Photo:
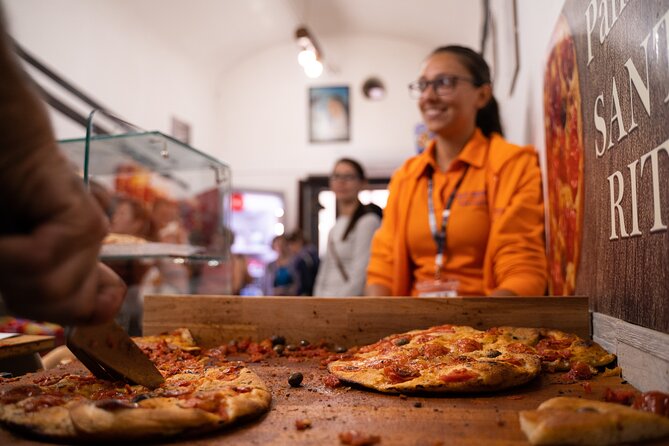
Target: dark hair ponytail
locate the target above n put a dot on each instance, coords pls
(487, 118)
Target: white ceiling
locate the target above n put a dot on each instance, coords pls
(218, 33)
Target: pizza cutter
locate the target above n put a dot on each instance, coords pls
(109, 353)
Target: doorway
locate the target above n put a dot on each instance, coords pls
(317, 206)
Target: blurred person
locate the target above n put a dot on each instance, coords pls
(280, 276)
(130, 217)
(466, 216)
(165, 222)
(165, 226)
(343, 269)
(305, 263)
(50, 227)
(220, 278)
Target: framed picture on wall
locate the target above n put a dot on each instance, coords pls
(329, 114)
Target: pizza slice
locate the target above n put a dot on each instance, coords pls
(561, 351)
(576, 421)
(202, 392)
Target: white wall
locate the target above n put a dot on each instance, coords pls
(264, 114)
(254, 116)
(101, 48)
(522, 111)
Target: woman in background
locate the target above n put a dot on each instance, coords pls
(280, 277)
(343, 268)
(466, 216)
(130, 217)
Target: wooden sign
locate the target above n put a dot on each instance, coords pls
(606, 102)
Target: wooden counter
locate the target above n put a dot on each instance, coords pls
(445, 420)
(414, 420)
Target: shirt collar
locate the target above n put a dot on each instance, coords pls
(473, 153)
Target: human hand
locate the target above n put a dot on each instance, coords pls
(50, 228)
(49, 243)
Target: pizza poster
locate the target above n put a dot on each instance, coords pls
(606, 117)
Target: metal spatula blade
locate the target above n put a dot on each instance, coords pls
(109, 353)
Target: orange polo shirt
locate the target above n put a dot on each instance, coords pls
(495, 234)
(468, 225)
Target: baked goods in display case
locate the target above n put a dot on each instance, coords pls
(169, 210)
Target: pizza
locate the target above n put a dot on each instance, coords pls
(450, 358)
(577, 421)
(562, 351)
(202, 392)
(564, 160)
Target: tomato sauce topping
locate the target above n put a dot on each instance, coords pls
(398, 373)
(42, 402)
(579, 371)
(19, 393)
(620, 396)
(467, 345)
(331, 381)
(213, 403)
(431, 351)
(553, 344)
(654, 402)
(518, 347)
(459, 375)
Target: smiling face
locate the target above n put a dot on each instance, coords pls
(454, 114)
(345, 182)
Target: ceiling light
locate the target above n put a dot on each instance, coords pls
(314, 69)
(305, 57)
(310, 56)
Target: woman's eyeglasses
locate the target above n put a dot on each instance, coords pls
(443, 85)
(343, 177)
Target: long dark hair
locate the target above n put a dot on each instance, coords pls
(361, 209)
(487, 118)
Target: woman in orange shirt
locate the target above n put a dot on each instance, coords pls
(466, 216)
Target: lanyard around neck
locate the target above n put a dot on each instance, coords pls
(440, 235)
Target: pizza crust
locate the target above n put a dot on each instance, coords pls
(576, 421)
(202, 392)
(94, 423)
(53, 422)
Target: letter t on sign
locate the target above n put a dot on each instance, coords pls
(654, 156)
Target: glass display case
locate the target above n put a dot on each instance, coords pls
(169, 209)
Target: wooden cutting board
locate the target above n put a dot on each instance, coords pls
(352, 321)
(24, 345)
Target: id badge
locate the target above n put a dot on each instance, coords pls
(438, 288)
